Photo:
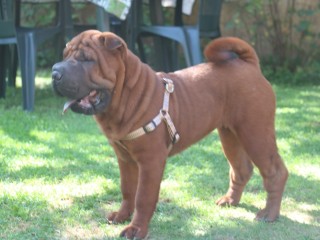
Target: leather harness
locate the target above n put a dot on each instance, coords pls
(162, 116)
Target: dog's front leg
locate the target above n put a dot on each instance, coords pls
(150, 175)
(129, 181)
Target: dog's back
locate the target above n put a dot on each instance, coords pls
(230, 79)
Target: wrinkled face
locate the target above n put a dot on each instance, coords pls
(88, 74)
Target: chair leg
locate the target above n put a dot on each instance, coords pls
(174, 57)
(3, 70)
(59, 45)
(193, 39)
(163, 50)
(13, 66)
(27, 51)
(172, 33)
(141, 51)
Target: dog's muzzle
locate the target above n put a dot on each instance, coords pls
(70, 79)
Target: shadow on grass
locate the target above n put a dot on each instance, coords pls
(26, 217)
(175, 222)
(73, 146)
(52, 146)
(57, 162)
(31, 217)
(208, 178)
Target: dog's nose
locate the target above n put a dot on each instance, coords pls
(56, 75)
(57, 71)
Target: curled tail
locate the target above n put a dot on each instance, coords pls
(227, 48)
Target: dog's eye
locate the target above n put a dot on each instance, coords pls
(81, 56)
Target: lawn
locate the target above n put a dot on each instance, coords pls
(59, 177)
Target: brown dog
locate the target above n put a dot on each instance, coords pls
(149, 116)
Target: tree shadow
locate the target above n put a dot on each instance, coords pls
(183, 223)
(202, 169)
(17, 212)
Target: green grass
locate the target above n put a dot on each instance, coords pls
(59, 177)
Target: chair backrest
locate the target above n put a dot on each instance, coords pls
(7, 27)
(209, 18)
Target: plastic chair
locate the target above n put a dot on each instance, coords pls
(173, 32)
(102, 19)
(208, 25)
(28, 41)
(8, 43)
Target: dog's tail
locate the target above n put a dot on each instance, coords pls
(225, 49)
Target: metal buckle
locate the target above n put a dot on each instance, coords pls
(170, 87)
(149, 128)
(176, 138)
(163, 113)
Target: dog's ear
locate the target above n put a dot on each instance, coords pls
(111, 42)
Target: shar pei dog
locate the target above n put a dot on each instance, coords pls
(148, 116)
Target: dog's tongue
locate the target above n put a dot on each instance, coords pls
(67, 105)
(86, 102)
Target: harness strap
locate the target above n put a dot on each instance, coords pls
(163, 115)
(150, 127)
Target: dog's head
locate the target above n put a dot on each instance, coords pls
(88, 74)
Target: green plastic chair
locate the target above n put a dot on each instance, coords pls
(164, 34)
(27, 40)
(102, 18)
(8, 41)
(208, 25)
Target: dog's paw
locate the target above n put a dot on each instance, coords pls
(266, 215)
(134, 232)
(226, 201)
(117, 217)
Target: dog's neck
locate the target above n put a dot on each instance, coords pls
(130, 107)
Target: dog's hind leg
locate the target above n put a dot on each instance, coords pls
(260, 144)
(240, 167)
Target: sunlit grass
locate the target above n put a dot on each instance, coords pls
(59, 177)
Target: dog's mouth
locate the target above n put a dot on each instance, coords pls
(96, 101)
